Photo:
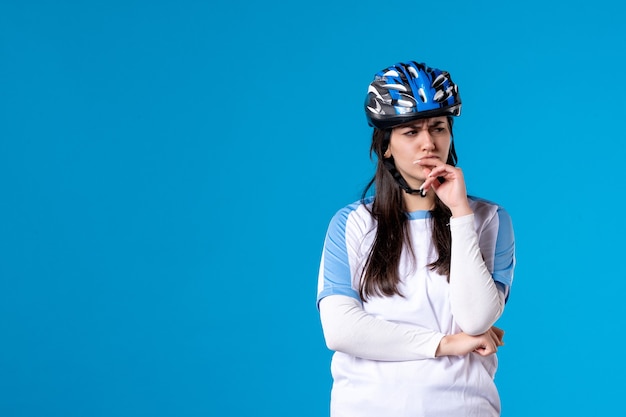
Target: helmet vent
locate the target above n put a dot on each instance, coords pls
(422, 95)
(398, 87)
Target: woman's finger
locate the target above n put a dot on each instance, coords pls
(438, 170)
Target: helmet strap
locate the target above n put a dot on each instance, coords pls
(391, 167)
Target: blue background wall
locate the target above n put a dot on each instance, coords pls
(168, 170)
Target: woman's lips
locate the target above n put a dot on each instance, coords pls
(430, 158)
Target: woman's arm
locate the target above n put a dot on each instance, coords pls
(349, 329)
(475, 299)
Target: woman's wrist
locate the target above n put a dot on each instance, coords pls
(461, 211)
(445, 348)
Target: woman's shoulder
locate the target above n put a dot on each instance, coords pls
(358, 206)
(480, 202)
(355, 212)
(485, 209)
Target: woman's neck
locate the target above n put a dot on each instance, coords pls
(415, 202)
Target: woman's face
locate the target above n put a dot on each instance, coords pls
(427, 140)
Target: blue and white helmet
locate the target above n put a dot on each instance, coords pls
(409, 91)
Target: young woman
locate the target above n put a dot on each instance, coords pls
(413, 278)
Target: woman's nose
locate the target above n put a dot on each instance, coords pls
(427, 141)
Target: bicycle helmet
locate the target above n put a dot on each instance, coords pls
(409, 91)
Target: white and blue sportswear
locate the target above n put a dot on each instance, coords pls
(384, 362)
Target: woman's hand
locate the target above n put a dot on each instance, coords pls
(461, 343)
(452, 192)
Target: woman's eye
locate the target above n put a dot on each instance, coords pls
(410, 132)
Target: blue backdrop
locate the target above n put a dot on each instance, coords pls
(168, 169)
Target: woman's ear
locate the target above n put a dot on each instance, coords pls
(387, 153)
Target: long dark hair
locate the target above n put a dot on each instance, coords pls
(380, 274)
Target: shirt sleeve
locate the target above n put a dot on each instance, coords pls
(349, 329)
(335, 272)
(504, 251)
(476, 301)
